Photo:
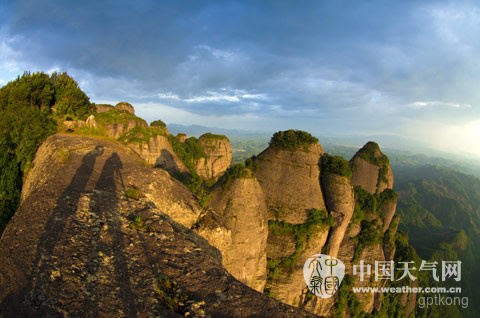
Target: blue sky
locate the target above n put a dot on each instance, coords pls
(407, 68)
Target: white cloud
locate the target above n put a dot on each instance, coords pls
(421, 104)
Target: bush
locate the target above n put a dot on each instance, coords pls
(133, 193)
(210, 136)
(369, 235)
(158, 123)
(335, 164)
(236, 171)
(292, 140)
(301, 234)
(368, 152)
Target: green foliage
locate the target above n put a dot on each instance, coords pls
(370, 152)
(133, 193)
(115, 116)
(365, 203)
(26, 121)
(336, 164)
(69, 98)
(210, 136)
(301, 233)
(139, 224)
(369, 235)
(140, 134)
(292, 140)
(236, 171)
(64, 155)
(189, 151)
(347, 301)
(158, 123)
(166, 295)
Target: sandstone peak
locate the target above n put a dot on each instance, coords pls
(124, 106)
(371, 169)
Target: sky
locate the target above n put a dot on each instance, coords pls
(333, 68)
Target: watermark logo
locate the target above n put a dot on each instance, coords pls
(323, 274)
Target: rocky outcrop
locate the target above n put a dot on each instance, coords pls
(218, 156)
(181, 137)
(103, 108)
(371, 169)
(290, 182)
(387, 210)
(89, 240)
(159, 153)
(124, 106)
(91, 122)
(340, 203)
(118, 129)
(241, 205)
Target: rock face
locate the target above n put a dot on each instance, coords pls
(103, 108)
(371, 169)
(341, 203)
(159, 153)
(79, 246)
(118, 129)
(290, 182)
(242, 207)
(124, 106)
(218, 156)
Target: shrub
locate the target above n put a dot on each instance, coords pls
(236, 171)
(210, 136)
(335, 164)
(292, 140)
(133, 193)
(368, 152)
(158, 123)
(301, 234)
(369, 235)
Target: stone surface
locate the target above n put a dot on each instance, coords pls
(290, 182)
(340, 202)
(124, 106)
(159, 153)
(78, 246)
(219, 157)
(242, 206)
(103, 108)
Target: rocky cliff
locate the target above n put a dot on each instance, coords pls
(218, 156)
(101, 231)
(99, 234)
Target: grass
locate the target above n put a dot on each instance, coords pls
(64, 155)
(158, 123)
(139, 224)
(133, 193)
(114, 116)
(166, 295)
(140, 135)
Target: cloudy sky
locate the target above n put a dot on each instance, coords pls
(407, 68)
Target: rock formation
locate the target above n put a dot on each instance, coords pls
(290, 181)
(100, 233)
(371, 169)
(87, 240)
(124, 106)
(103, 108)
(241, 205)
(218, 156)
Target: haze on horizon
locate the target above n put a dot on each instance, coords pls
(409, 68)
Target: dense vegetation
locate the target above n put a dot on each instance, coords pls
(440, 210)
(26, 120)
(158, 123)
(210, 136)
(292, 140)
(236, 171)
(301, 233)
(335, 164)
